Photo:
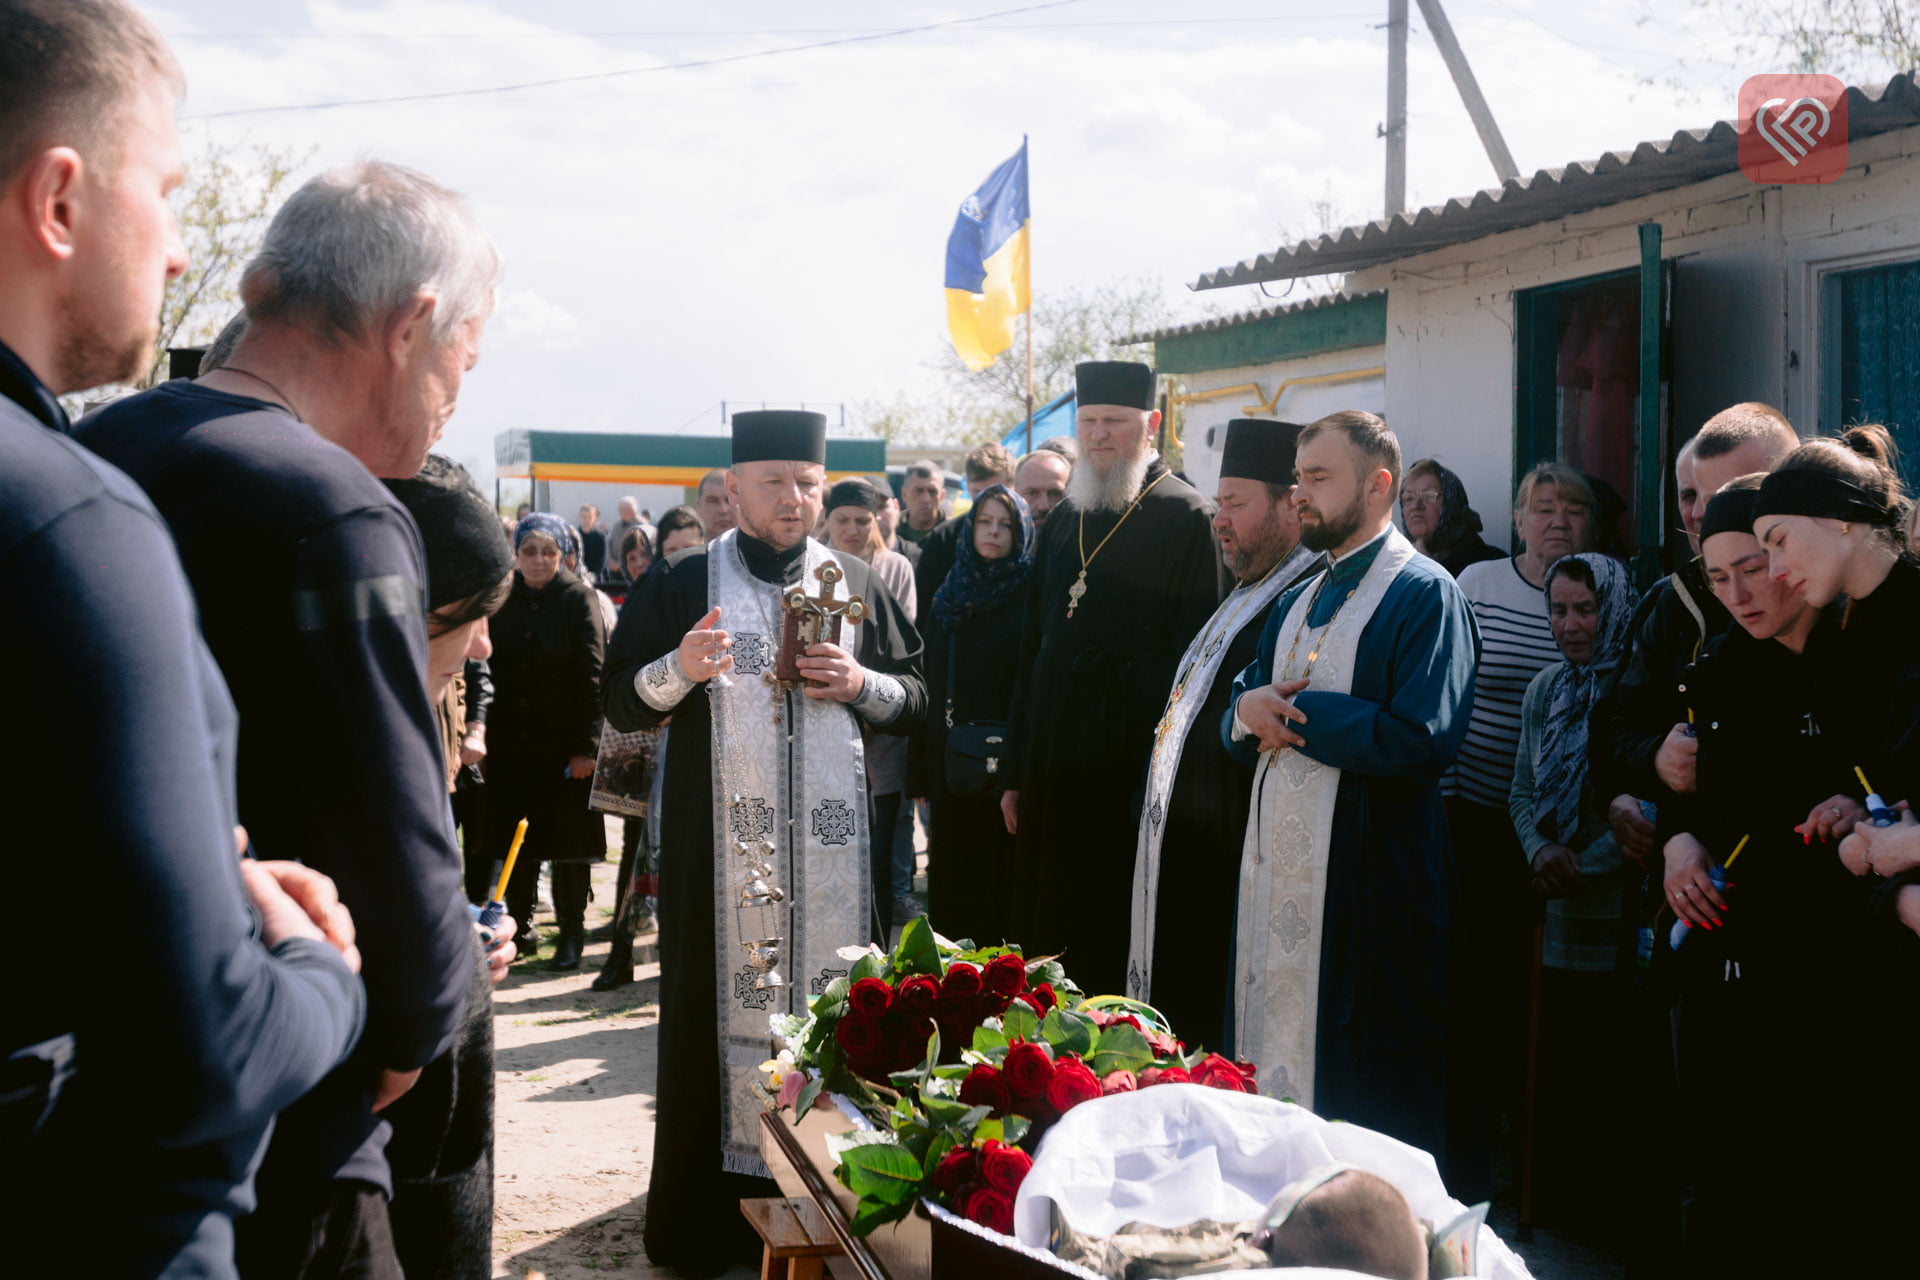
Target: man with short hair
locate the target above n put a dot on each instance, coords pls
(888, 520)
(792, 754)
(630, 516)
(593, 542)
(1344, 982)
(714, 504)
(923, 497)
(1182, 952)
(1120, 584)
(986, 465)
(1041, 480)
(142, 1074)
(366, 303)
(1641, 750)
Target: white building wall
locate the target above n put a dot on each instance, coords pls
(1205, 421)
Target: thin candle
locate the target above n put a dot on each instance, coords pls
(1728, 864)
(506, 872)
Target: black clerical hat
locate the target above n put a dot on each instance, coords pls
(1122, 382)
(1260, 449)
(467, 551)
(780, 435)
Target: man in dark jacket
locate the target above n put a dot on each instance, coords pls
(365, 306)
(143, 1070)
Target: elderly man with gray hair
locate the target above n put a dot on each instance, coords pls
(365, 307)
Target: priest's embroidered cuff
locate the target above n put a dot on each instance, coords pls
(1240, 729)
(661, 684)
(881, 700)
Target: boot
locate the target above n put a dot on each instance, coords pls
(571, 888)
(566, 949)
(617, 972)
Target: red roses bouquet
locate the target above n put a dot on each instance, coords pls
(961, 1057)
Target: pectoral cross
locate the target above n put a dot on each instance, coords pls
(1074, 592)
(812, 620)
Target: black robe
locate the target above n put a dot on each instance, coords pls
(969, 853)
(1200, 868)
(693, 1219)
(1091, 689)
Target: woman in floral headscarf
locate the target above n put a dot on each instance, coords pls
(1581, 1016)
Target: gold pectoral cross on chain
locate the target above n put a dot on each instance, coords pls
(1074, 592)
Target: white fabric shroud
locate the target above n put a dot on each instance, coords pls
(1181, 1153)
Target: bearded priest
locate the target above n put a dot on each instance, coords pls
(1354, 706)
(1182, 954)
(1124, 575)
(764, 869)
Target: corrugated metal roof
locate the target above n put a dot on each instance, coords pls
(1215, 323)
(1690, 156)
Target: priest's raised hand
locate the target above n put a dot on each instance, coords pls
(1267, 711)
(703, 651)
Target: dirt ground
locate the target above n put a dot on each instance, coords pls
(574, 1123)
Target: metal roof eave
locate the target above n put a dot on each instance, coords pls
(1690, 156)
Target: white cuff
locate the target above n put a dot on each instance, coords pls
(1240, 729)
(661, 684)
(882, 698)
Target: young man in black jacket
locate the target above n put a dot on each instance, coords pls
(142, 1069)
(365, 306)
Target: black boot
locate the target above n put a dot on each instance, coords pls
(566, 949)
(617, 972)
(571, 887)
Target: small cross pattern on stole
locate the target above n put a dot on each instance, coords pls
(812, 620)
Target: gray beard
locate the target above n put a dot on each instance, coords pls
(1090, 491)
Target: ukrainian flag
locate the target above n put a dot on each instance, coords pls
(989, 275)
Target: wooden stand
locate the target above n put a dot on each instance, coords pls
(795, 1235)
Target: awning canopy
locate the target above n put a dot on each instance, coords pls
(649, 459)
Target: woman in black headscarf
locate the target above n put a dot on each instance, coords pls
(1440, 522)
(973, 650)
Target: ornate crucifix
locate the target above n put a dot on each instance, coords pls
(812, 620)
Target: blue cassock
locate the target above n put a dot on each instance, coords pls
(1387, 1011)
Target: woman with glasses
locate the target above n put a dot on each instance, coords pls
(1438, 519)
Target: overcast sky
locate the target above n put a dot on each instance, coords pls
(773, 228)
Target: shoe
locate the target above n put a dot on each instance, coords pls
(526, 944)
(617, 972)
(905, 909)
(566, 952)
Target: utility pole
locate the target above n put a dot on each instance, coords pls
(1469, 88)
(1396, 126)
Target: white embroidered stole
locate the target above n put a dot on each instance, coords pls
(1283, 864)
(1201, 667)
(798, 765)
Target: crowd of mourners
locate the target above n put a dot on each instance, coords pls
(1623, 880)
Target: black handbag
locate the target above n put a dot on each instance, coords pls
(976, 749)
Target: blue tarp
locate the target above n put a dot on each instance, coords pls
(1054, 418)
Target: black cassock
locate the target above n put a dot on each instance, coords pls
(1092, 687)
(1200, 858)
(693, 1219)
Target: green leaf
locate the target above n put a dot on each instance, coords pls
(917, 952)
(937, 1151)
(871, 1214)
(988, 1042)
(1068, 1033)
(809, 1093)
(1019, 1023)
(1120, 1048)
(991, 1131)
(951, 1073)
(882, 1172)
(947, 1112)
(830, 1004)
(1015, 1128)
(867, 966)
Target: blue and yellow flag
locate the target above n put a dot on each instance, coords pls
(989, 275)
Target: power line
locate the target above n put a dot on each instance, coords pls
(629, 71)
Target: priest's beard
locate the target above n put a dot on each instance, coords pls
(1251, 561)
(1329, 530)
(1088, 490)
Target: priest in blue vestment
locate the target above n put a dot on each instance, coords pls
(1356, 703)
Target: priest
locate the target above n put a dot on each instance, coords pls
(1124, 575)
(1354, 705)
(1182, 952)
(753, 909)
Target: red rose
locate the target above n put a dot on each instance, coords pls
(906, 1039)
(991, 1209)
(1003, 1167)
(1165, 1046)
(1044, 994)
(1031, 1001)
(1164, 1075)
(963, 983)
(1073, 1083)
(917, 994)
(870, 997)
(1118, 1082)
(860, 1036)
(983, 1087)
(1028, 1070)
(1217, 1072)
(1006, 975)
(955, 1170)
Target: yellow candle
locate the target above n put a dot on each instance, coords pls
(1728, 864)
(506, 872)
(1864, 784)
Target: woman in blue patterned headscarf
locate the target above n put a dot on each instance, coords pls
(973, 654)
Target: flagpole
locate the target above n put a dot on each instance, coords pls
(1029, 448)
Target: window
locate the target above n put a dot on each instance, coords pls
(1870, 354)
